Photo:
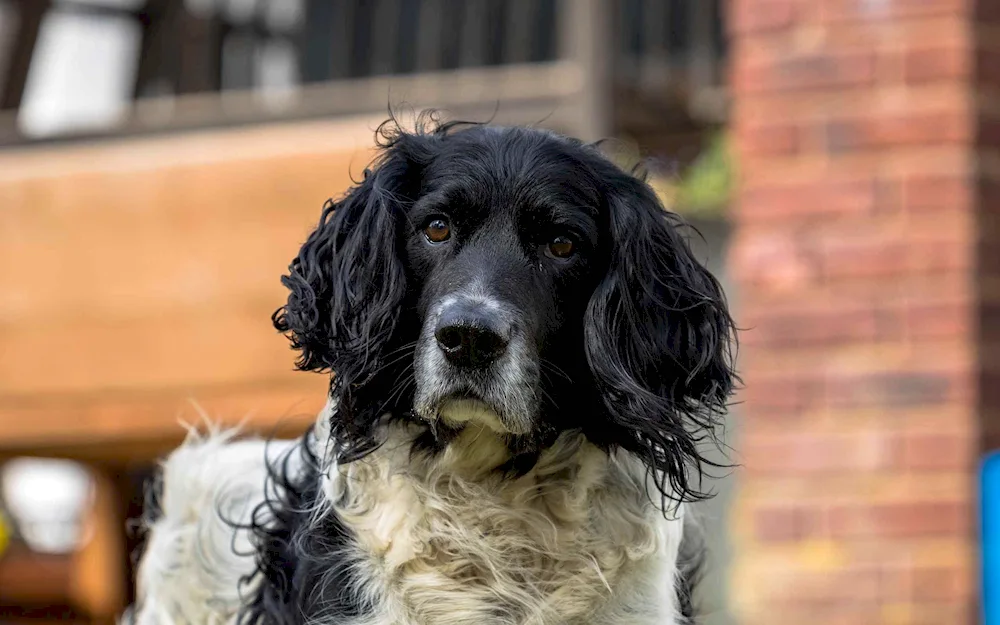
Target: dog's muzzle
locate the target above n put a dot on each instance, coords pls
(473, 365)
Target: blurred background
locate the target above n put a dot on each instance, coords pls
(162, 160)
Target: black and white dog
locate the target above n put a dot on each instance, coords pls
(526, 362)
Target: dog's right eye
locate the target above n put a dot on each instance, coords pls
(437, 230)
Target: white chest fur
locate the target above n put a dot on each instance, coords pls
(443, 541)
(440, 541)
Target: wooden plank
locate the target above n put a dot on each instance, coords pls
(119, 427)
(132, 276)
(31, 579)
(137, 275)
(100, 566)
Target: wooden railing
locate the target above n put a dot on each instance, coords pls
(523, 61)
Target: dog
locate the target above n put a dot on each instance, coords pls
(526, 363)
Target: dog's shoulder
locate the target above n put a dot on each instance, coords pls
(197, 548)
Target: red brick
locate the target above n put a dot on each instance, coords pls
(890, 323)
(901, 519)
(892, 389)
(769, 139)
(937, 193)
(853, 585)
(820, 453)
(833, 613)
(895, 583)
(809, 327)
(958, 611)
(782, 397)
(941, 584)
(936, 256)
(761, 16)
(804, 72)
(862, 256)
(939, 320)
(872, 254)
(868, 10)
(808, 199)
(888, 195)
(776, 524)
(772, 261)
(937, 451)
(891, 130)
(936, 63)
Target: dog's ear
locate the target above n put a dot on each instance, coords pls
(347, 283)
(659, 340)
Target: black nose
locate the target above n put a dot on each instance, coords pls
(470, 337)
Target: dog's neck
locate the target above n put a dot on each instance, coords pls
(445, 538)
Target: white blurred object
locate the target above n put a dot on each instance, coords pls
(276, 73)
(82, 74)
(47, 499)
(284, 15)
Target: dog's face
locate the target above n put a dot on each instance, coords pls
(520, 280)
(501, 247)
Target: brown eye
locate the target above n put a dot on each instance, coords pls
(561, 247)
(437, 231)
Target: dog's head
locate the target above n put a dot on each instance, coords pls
(520, 280)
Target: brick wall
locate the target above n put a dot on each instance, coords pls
(867, 256)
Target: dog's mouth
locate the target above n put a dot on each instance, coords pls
(465, 407)
(462, 407)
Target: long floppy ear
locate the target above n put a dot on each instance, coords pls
(347, 284)
(659, 339)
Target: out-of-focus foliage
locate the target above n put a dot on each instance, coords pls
(5, 533)
(704, 187)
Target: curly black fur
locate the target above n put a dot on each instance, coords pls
(301, 568)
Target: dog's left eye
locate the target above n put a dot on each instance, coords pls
(437, 230)
(561, 247)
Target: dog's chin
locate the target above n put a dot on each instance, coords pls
(463, 411)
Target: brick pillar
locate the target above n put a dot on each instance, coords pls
(867, 257)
